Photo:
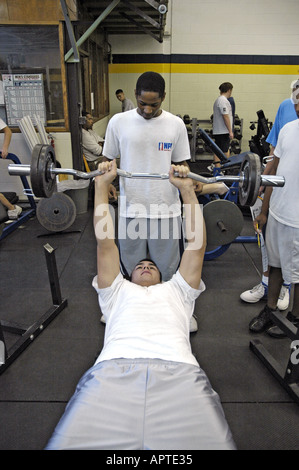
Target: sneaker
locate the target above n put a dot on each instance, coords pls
(211, 167)
(262, 322)
(284, 297)
(14, 213)
(275, 332)
(257, 293)
(193, 324)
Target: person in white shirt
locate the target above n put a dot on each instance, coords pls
(126, 103)
(92, 143)
(146, 390)
(147, 140)
(282, 231)
(223, 120)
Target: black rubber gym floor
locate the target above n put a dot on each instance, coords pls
(35, 388)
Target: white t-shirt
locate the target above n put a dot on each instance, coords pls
(148, 322)
(91, 148)
(2, 124)
(284, 205)
(147, 146)
(126, 105)
(221, 106)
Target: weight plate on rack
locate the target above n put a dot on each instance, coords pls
(250, 171)
(42, 181)
(56, 213)
(224, 222)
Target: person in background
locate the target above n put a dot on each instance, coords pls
(286, 113)
(148, 139)
(13, 211)
(280, 210)
(223, 121)
(92, 143)
(7, 138)
(126, 103)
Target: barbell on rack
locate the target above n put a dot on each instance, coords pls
(43, 172)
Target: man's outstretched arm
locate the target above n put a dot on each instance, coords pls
(195, 231)
(107, 251)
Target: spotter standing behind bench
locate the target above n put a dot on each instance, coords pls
(146, 389)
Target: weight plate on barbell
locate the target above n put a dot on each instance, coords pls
(56, 213)
(224, 222)
(250, 170)
(42, 181)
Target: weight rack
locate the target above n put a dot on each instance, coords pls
(28, 335)
(198, 146)
(289, 378)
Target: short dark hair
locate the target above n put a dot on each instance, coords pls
(226, 86)
(148, 259)
(151, 81)
(119, 91)
(84, 113)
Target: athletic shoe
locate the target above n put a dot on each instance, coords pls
(14, 213)
(211, 167)
(262, 322)
(284, 297)
(257, 293)
(193, 324)
(275, 332)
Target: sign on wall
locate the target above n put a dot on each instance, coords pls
(24, 96)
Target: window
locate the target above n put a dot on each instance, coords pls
(35, 49)
(94, 78)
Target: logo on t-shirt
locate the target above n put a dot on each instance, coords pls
(165, 146)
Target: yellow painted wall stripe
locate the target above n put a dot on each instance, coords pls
(251, 69)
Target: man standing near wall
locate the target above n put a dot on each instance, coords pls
(126, 103)
(223, 120)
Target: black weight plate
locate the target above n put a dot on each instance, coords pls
(249, 187)
(42, 182)
(56, 213)
(224, 222)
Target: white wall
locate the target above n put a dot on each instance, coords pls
(236, 27)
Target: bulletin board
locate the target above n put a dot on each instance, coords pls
(24, 96)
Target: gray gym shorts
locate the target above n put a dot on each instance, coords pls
(143, 405)
(282, 242)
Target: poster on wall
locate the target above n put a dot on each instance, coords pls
(24, 96)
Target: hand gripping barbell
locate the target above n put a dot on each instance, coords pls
(43, 171)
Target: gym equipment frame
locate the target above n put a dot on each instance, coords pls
(289, 378)
(28, 335)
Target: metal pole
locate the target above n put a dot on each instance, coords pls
(92, 28)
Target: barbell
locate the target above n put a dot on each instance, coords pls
(43, 171)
